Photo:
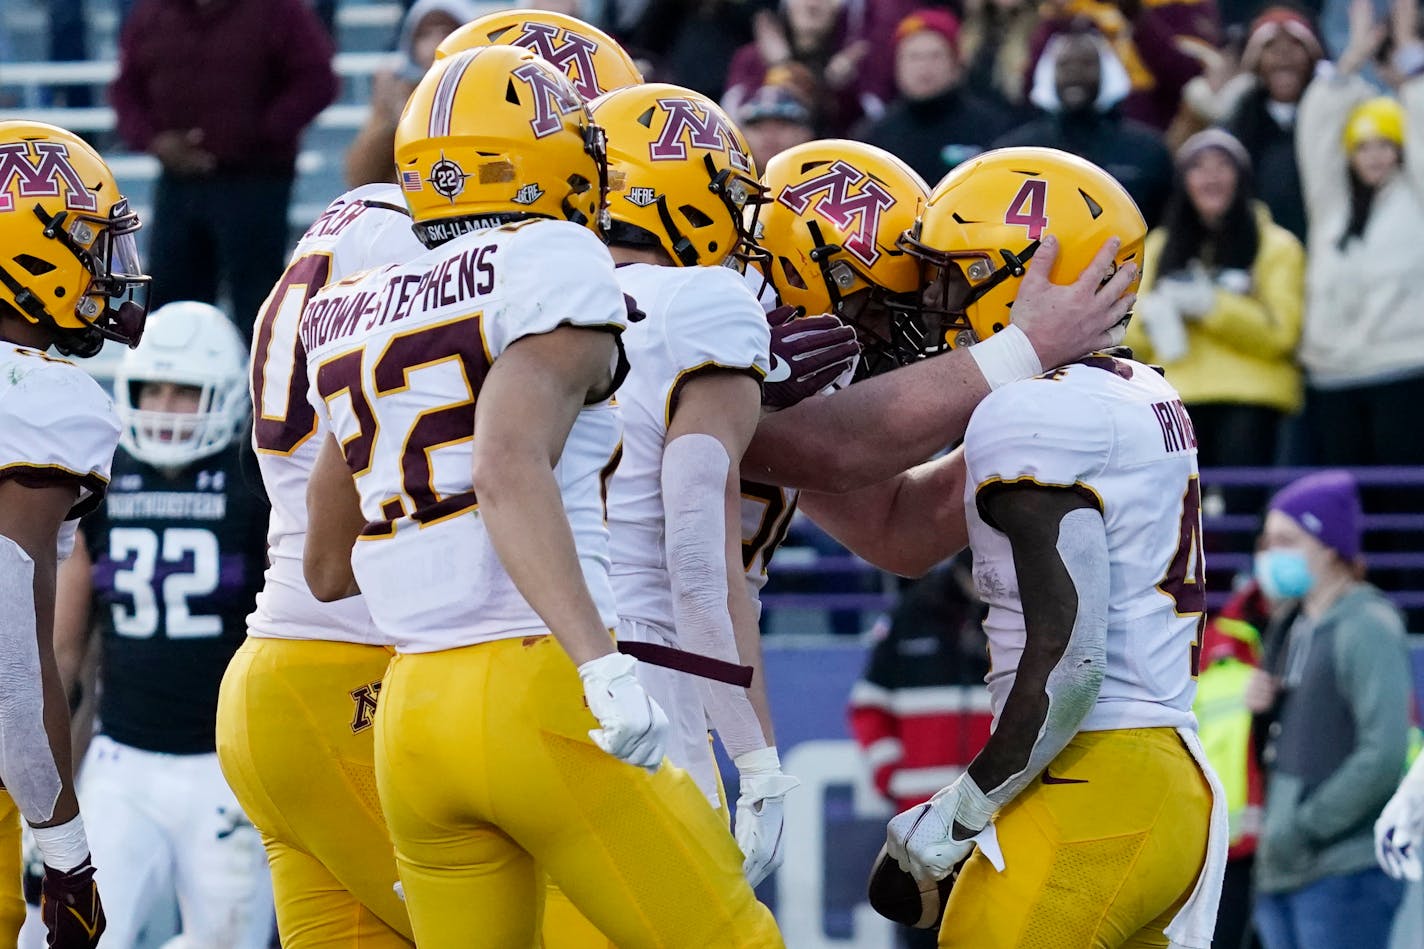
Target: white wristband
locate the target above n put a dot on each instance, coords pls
(974, 809)
(63, 847)
(1005, 357)
(762, 761)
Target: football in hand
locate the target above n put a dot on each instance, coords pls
(901, 898)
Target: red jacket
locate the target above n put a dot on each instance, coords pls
(917, 721)
(250, 74)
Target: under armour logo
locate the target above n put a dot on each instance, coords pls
(36, 170)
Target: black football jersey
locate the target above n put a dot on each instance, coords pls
(177, 565)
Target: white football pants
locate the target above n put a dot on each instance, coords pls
(165, 828)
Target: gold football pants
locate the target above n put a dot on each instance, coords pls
(1100, 852)
(294, 732)
(487, 777)
(12, 898)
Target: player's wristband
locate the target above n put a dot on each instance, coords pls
(63, 847)
(1005, 357)
(975, 809)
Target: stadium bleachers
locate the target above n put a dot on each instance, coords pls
(366, 30)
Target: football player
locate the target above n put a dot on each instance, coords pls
(297, 703)
(174, 558)
(681, 177)
(501, 535)
(1083, 512)
(592, 60)
(308, 680)
(70, 278)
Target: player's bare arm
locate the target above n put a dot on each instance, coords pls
(878, 428)
(35, 755)
(527, 405)
(714, 419)
(1061, 561)
(334, 522)
(904, 525)
(72, 628)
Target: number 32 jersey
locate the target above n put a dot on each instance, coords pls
(396, 359)
(1116, 431)
(176, 563)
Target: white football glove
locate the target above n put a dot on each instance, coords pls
(760, 817)
(1399, 832)
(633, 728)
(921, 839)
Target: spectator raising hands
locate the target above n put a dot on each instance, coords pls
(1362, 172)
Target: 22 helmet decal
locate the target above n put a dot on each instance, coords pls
(191, 344)
(835, 212)
(592, 60)
(68, 258)
(986, 219)
(496, 134)
(681, 175)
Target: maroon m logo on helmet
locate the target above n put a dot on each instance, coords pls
(859, 213)
(554, 97)
(574, 58)
(704, 128)
(38, 175)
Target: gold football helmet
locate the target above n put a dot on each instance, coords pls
(834, 214)
(593, 60)
(680, 174)
(497, 134)
(985, 220)
(68, 259)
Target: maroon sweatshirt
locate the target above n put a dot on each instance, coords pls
(251, 74)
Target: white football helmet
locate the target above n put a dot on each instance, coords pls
(190, 344)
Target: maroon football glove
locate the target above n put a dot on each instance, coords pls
(808, 353)
(70, 907)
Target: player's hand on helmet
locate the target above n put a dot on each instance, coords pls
(760, 816)
(808, 353)
(69, 905)
(922, 839)
(633, 728)
(1399, 833)
(1067, 321)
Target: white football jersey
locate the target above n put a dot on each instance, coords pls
(696, 318)
(396, 357)
(1115, 430)
(364, 228)
(56, 424)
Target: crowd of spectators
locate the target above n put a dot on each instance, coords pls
(1279, 286)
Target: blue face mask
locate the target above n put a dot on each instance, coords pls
(1283, 574)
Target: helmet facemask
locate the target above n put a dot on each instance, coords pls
(955, 282)
(115, 302)
(178, 439)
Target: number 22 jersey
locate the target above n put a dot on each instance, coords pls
(396, 359)
(1114, 430)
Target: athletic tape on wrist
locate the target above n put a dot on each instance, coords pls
(64, 847)
(1005, 357)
